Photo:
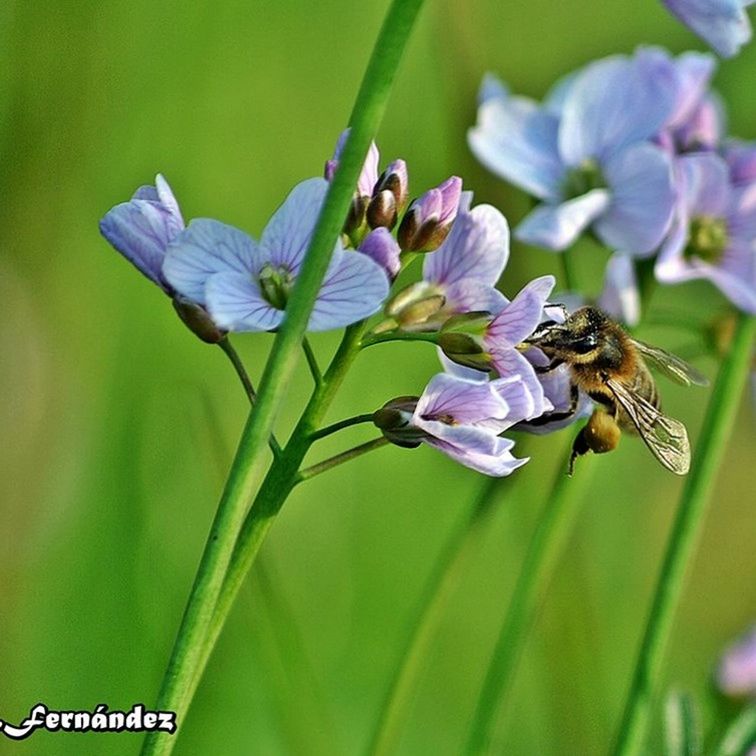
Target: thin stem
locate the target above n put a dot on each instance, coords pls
(380, 338)
(249, 389)
(339, 459)
(190, 650)
(712, 446)
(340, 425)
(438, 588)
(312, 361)
(546, 545)
(571, 282)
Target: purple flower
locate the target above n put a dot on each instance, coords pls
(737, 669)
(142, 228)
(381, 247)
(245, 285)
(714, 232)
(389, 196)
(620, 297)
(429, 218)
(461, 418)
(741, 158)
(369, 174)
(461, 275)
(586, 152)
(723, 24)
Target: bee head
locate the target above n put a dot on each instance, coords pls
(578, 339)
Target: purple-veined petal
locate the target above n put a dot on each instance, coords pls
(515, 392)
(517, 141)
(522, 315)
(477, 247)
(477, 449)
(470, 295)
(461, 371)
(614, 102)
(141, 231)
(620, 297)
(556, 227)
(447, 397)
(643, 199)
(287, 235)
(722, 23)
(204, 248)
(509, 362)
(236, 303)
(354, 288)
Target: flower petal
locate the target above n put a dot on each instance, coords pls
(613, 102)
(477, 449)
(522, 315)
(705, 179)
(236, 304)
(643, 199)
(509, 362)
(287, 235)
(354, 288)
(465, 402)
(381, 247)
(469, 295)
(477, 248)
(620, 297)
(517, 140)
(204, 248)
(556, 227)
(722, 23)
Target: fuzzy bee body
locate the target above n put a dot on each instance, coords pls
(609, 365)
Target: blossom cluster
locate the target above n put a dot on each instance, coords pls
(222, 280)
(632, 149)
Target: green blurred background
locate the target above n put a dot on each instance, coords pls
(118, 425)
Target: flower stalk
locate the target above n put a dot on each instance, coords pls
(686, 530)
(191, 648)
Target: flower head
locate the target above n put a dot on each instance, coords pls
(714, 232)
(245, 285)
(722, 23)
(142, 228)
(587, 152)
(461, 418)
(737, 669)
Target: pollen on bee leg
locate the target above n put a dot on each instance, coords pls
(602, 434)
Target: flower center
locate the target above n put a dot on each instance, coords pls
(708, 239)
(276, 284)
(583, 179)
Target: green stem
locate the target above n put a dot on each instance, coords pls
(571, 282)
(712, 446)
(249, 389)
(341, 424)
(339, 459)
(312, 361)
(546, 545)
(247, 471)
(380, 338)
(438, 588)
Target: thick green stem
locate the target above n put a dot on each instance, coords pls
(712, 446)
(247, 471)
(547, 543)
(429, 612)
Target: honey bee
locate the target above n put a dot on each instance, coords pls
(610, 366)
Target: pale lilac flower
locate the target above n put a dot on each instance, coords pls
(723, 24)
(620, 297)
(142, 228)
(245, 284)
(741, 159)
(381, 247)
(461, 275)
(429, 218)
(369, 173)
(736, 674)
(714, 232)
(461, 418)
(586, 152)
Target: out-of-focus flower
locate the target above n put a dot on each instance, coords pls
(741, 159)
(461, 418)
(142, 228)
(429, 218)
(461, 275)
(245, 285)
(620, 297)
(736, 674)
(723, 24)
(714, 232)
(587, 154)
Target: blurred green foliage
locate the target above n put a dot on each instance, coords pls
(117, 425)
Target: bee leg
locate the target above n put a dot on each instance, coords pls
(600, 434)
(553, 365)
(551, 417)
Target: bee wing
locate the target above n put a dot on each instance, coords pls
(673, 367)
(666, 437)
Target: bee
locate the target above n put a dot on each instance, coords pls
(610, 366)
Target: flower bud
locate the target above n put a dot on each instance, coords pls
(382, 212)
(355, 225)
(429, 218)
(394, 420)
(197, 319)
(470, 323)
(465, 350)
(415, 305)
(382, 248)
